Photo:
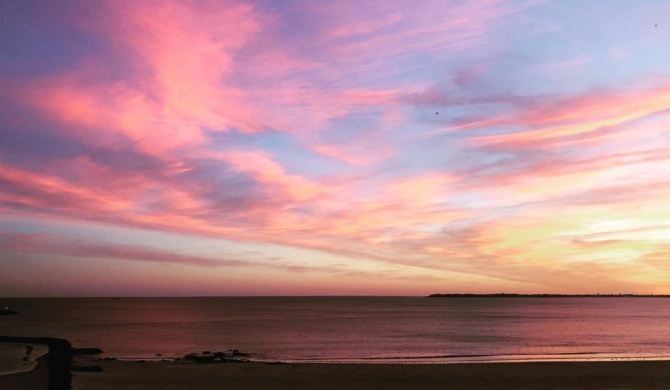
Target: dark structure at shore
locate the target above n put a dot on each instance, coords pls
(8, 312)
(505, 295)
(60, 358)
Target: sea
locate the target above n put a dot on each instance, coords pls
(354, 329)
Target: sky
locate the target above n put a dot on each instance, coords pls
(187, 148)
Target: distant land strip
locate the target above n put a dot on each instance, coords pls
(505, 295)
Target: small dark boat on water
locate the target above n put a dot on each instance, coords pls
(7, 311)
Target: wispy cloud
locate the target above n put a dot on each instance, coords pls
(428, 141)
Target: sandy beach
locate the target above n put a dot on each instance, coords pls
(256, 376)
(35, 379)
(16, 358)
(169, 375)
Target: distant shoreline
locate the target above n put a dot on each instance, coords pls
(505, 295)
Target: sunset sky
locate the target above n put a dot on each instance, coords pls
(334, 147)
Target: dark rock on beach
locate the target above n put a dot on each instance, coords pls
(205, 359)
(216, 357)
(86, 351)
(87, 368)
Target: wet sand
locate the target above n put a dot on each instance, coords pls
(56, 363)
(16, 358)
(476, 376)
(36, 379)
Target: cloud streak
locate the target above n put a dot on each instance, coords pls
(423, 141)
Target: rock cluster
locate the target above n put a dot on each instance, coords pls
(230, 356)
(86, 351)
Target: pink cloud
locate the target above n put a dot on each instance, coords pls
(174, 73)
(181, 73)
(266, 170)
(95, 252)
(54, 245)
(178, 64)
(49, 192)
(429, 26)
(581, 114)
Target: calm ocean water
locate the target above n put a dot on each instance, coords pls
(408, 329)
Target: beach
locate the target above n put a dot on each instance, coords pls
(35, 379)
(340, 343)
(257, 376)
(475, 376)
(169, 375)
(18, 357)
